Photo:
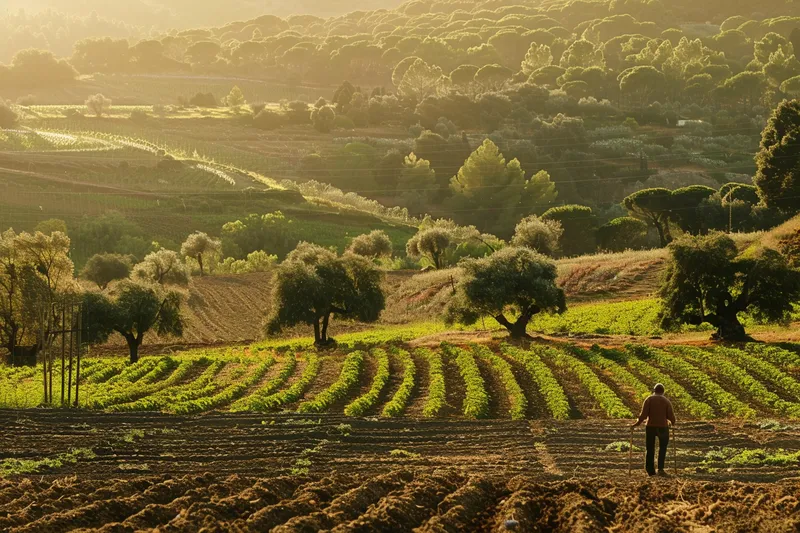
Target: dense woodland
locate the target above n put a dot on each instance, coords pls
(560, 127)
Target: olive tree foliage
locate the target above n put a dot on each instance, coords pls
(102, 269)
(372, 245)
(432, 244)
(313, 284)
(98, 104)
(35, 269)
(707, 281)
(163, 267)
(134, 310)
(623, 233)
(778, 159)
(512, 282)
(538, 234)
(199, 246)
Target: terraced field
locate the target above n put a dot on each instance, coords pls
(498, 381)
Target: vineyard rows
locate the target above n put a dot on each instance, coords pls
(556, 381)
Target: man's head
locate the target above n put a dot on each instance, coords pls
(659, 388)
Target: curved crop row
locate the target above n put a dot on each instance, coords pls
(126, 392)
(134, 372)
(740, 378)
(293, 393)
(348, 378)
(436, 387)
(202, 386)
(602, 393)
(619, 374)
(695, 408)
(476, 401)
(712, 392)
(144, 390)
(400, 400)
(288, 368)
(226, 395)
(102, 372)
(364, 403)
(516, 397)
(548, 385)
(786, 359)
(763, 369)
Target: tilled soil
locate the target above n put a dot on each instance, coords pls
(227, 472)
(400, 500)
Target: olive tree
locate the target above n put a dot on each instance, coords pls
(135, 310)
(198, 246)
(708, 281)
(102, 269)
(313, 284)
(512, 282)
(372, 245)
(163, 267)
(98, 104)
(538, 234)
(432, 244)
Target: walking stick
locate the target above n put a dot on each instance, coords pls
(675, 451)
(630, 453)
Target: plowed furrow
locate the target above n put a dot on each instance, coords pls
(405, 509)
(464, 509)
(348, 506)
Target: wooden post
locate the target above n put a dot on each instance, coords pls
(63, 349)
(78, 367)
(42, 353)
(71, 352)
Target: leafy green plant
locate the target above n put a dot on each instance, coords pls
(516, 396)
(553, 392)
(602, 394)
(400, 400)
(293, 393)
(713, 393)
(362, 404)
(288, 368)
(436, 388)
(476, 402)
(348, 378)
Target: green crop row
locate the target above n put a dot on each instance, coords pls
(602, 393)
(134, 372)
(712, 392)
(476, 402)
(288, 368)
(619, 374)
(198, 388)
(293, 393)
(124, 401)
(400, 400)
(125, 392)
(786, 359)
(436, 387)
(675, 391)
(764, 370)
(740, 378)
(348, 378)
(362, 404)
(226, 395)
(516, 397)
(548, 385)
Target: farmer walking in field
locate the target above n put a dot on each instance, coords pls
(657, 410)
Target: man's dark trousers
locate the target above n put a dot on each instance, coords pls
(663, 440)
